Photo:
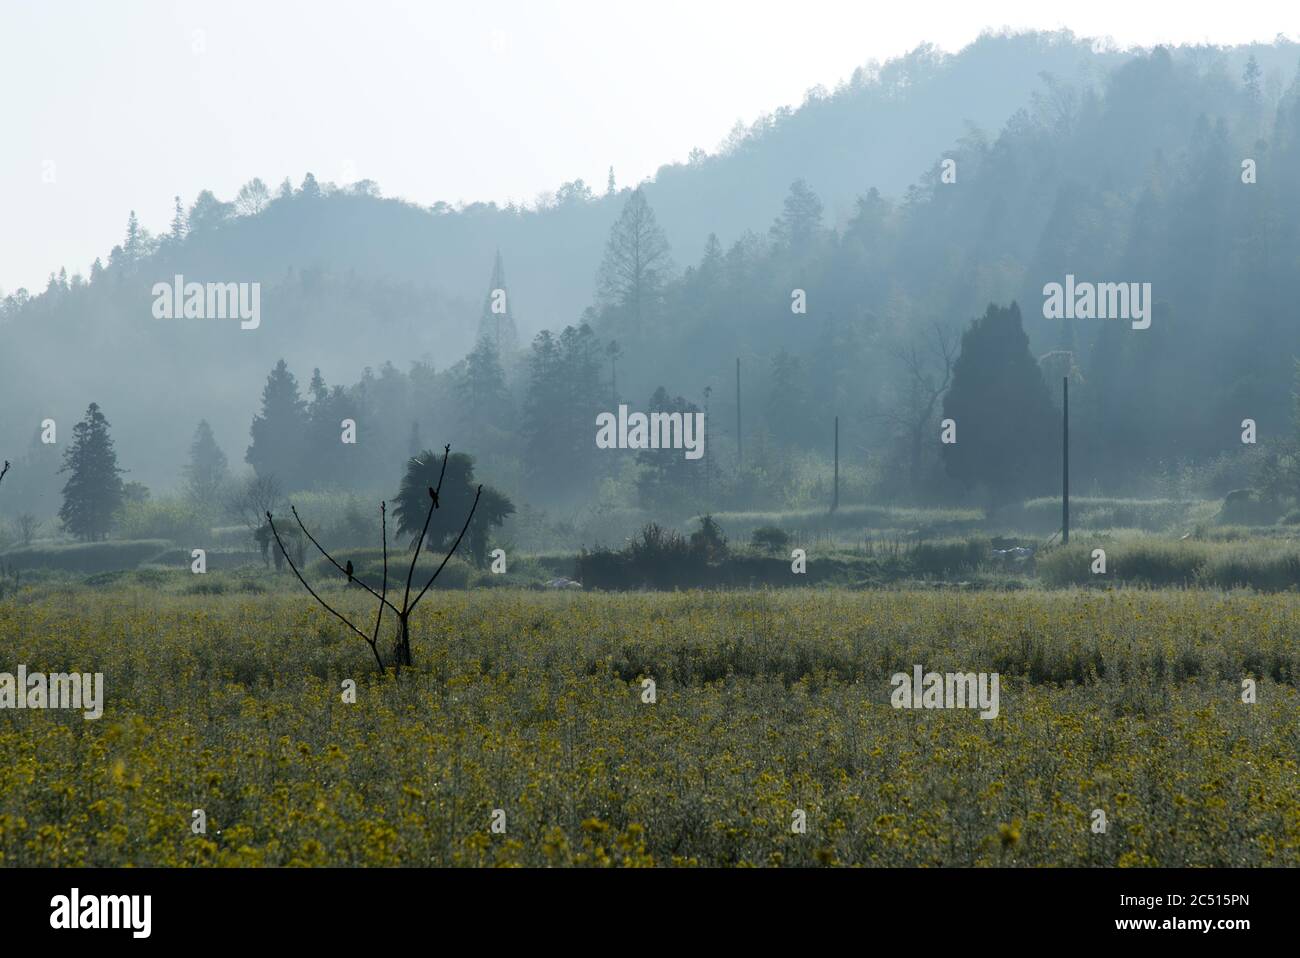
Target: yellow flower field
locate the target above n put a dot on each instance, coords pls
(766, 703)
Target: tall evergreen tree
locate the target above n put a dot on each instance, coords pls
(667, 477)
(485, 401)
(93, 492)
(133, 247)
(497, 322)
(279, 432)
(207, 472)
(178, 221)
(565, 391)
(1006, 432)
(800, 223)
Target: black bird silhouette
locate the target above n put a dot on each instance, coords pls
(434, 496)
(348, 570)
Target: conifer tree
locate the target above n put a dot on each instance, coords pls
(207, 472)
(93, 492)
(497, 323)
(1006, 433)
(279, 432)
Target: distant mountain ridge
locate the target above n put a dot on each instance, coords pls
(352, 279)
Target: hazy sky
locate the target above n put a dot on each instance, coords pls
(129, 102)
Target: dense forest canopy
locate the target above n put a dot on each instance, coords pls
(834, 253)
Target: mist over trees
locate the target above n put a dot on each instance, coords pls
(838, 250)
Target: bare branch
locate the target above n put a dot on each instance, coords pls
(433, 495)
(383, 599)
(403, 647)
(452, 552)
(338, 615)
(342, 570)
(4, 470)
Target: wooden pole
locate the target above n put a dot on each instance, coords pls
(1065, 461)
(740, 448)
(835, 498)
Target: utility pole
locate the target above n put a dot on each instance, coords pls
(1065, 461)
(835, 498)
(740, 447)
(708, 498)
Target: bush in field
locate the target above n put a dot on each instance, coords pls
(939, 558)
(1258, 564)
(708, 541)
(770, 539)
(1142, 562)
(1245, 507)
(1255, 566)
(656, 557)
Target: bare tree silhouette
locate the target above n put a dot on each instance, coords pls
(402, 647)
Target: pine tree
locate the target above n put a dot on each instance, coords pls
(800, 222)
(497, 322)
(485, 401)
(208, 471)
(324, 413)
(1006, 431)
(93, 492)
(636, 263)
(1250, 79)
(133, 247)
(178, 221)
(667, 477)
(279, 431)
(565, 391)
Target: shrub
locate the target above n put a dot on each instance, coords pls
(937, 558)
(708, 542)
(770, 539)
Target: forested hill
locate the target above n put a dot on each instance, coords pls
(1067, 158)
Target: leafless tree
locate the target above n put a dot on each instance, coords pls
(253, 498)
(927, 367)
(402, 647)
(26, 524)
